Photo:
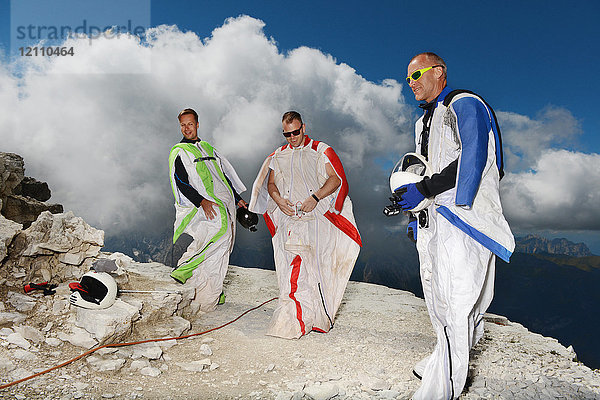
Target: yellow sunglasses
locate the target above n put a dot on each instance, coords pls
(415, 76)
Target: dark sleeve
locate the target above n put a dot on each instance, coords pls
(183, 183)
(236, 196)
(440, 182)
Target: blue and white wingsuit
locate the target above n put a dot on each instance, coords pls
(466, 231)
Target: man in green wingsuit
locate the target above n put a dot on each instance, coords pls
(206, 190)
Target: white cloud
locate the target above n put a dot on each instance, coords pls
(561, 192)
(98, 126)
(525, 138)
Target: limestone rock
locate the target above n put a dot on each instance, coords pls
(62, 233)
(324, 391)
(6, 365)
(148, 350)
(18, 340)
(205, 350)
(12, 172)
(8, 230)
(24, 355)
(21, 302)
(30, 333)
(107, 365)
(79, 337)
(194, 366)
(150, 371)
(139, 364)
(111, 323)
(54, 342)
(31, 187)
(25, 210)
(14, 317)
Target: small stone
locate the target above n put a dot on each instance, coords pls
(20, 301)
(30, 333)
(18, 340)
(14, 317)
(270, 367)
(205, 350)
(150, 350)
(195, 366)
(284, 396)
(6, 365)
(4, 332)
(324, 391)
(80, 385)
(106, 350)
(79, 337)
(139, 364)
(213, 366)
(109, 365)
(108, 396)
(167, 344)
(58, 307)
(24, 355)
(47, 327)
(150, 371)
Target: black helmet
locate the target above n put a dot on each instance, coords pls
(247, 218)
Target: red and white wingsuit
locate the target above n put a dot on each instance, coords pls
(315, 252)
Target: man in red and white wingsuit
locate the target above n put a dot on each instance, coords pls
(301, 190)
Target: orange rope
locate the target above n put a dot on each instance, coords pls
(131, 343)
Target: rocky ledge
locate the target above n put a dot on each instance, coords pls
(380, 333)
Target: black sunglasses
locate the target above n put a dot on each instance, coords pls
(295, 133)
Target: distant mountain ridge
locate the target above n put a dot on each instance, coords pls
(534, 244)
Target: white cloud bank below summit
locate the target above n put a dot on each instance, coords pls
(562, 192)
(100, 137)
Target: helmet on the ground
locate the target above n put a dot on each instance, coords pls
(411, 168)
(96, 290)
(247, 218)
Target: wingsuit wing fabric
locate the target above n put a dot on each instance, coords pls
(466, 231)
(314, 253)
(204, 263)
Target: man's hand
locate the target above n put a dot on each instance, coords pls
(411, 229)
(242, 203)
(411, 198)
(207, 206)
(308, 204)
(284, 205)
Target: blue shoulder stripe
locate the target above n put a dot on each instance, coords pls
(481, 238)
(473, 128)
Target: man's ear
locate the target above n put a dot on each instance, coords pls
(303, 129)
(439, 72)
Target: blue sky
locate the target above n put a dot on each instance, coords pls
(522, 55)
(532, 61)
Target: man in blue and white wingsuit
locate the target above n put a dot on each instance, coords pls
(460, 234)
(206, 190)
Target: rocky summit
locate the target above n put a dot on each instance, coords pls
(379, 334)
(150, 344)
